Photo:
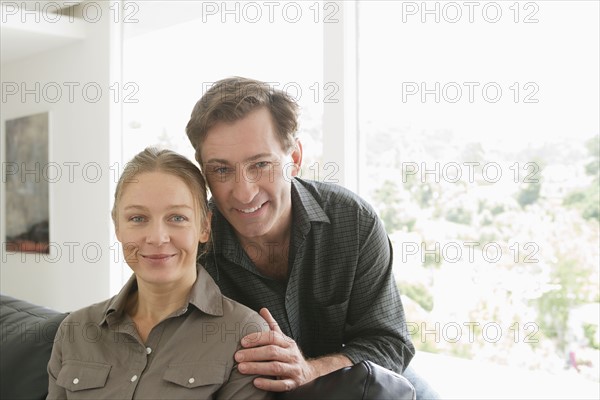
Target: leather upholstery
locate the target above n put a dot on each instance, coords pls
(363, 381)
(27, 333)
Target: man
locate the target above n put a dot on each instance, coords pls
(314, 258)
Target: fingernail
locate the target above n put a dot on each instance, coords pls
(239, 357)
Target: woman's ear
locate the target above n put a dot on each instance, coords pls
(205, 229)
(116, 224)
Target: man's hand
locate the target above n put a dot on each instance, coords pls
(276, 355)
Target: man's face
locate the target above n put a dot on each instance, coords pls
(249, 175)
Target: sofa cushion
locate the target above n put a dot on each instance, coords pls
(27, 333)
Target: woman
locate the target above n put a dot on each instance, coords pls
(169, 333)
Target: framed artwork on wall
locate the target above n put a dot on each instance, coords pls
(27, 187)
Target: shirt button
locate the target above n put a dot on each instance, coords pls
(75, 381)
(191, 380)
(134, 378)
(148, 350)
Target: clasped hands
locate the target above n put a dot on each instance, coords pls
(274, 355)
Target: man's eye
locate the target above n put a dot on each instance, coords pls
(262, 164)
(221, 170)
(137, 218)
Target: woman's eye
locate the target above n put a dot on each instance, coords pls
(136, 218)
(179, 218)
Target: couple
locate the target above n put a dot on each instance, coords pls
(312, 258)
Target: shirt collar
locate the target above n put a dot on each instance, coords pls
(305, 207)
(205, 295)
(116, 306)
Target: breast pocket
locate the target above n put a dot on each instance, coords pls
(82, 378)
(330, 323)
(204, 377)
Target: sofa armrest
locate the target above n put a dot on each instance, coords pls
(363, 381)
(26, 339)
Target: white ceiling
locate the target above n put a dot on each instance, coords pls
(24, 33)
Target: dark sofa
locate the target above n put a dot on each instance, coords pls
(28, 332)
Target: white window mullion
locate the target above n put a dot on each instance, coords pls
(340, 127)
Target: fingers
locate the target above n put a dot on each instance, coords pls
(275, 336)
(272, 385)
(264, 312)
(266, 338)
(282, 375)
(271, 354)
(268, 369)
(268, 353)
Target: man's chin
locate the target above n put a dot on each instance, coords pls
(249, 233)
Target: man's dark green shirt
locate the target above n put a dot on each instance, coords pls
(340, 295)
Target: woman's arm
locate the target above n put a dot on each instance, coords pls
(54, 366)
(240, 386)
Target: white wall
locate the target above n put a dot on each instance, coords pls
(84, 132)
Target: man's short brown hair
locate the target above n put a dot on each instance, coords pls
(232, 99)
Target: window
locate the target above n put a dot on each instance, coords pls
(477, 137)
(480, 129)
(173, 51)
(178, 49)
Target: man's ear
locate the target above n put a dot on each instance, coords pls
(297, 157)
(205, 229)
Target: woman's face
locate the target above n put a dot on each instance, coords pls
(159, 227)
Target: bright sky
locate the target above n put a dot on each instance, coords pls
(558, 55)
(553, 58)
(175, 66)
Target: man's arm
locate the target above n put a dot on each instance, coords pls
(375, 322)
(375, 327)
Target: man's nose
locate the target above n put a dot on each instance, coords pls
(245, 189)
